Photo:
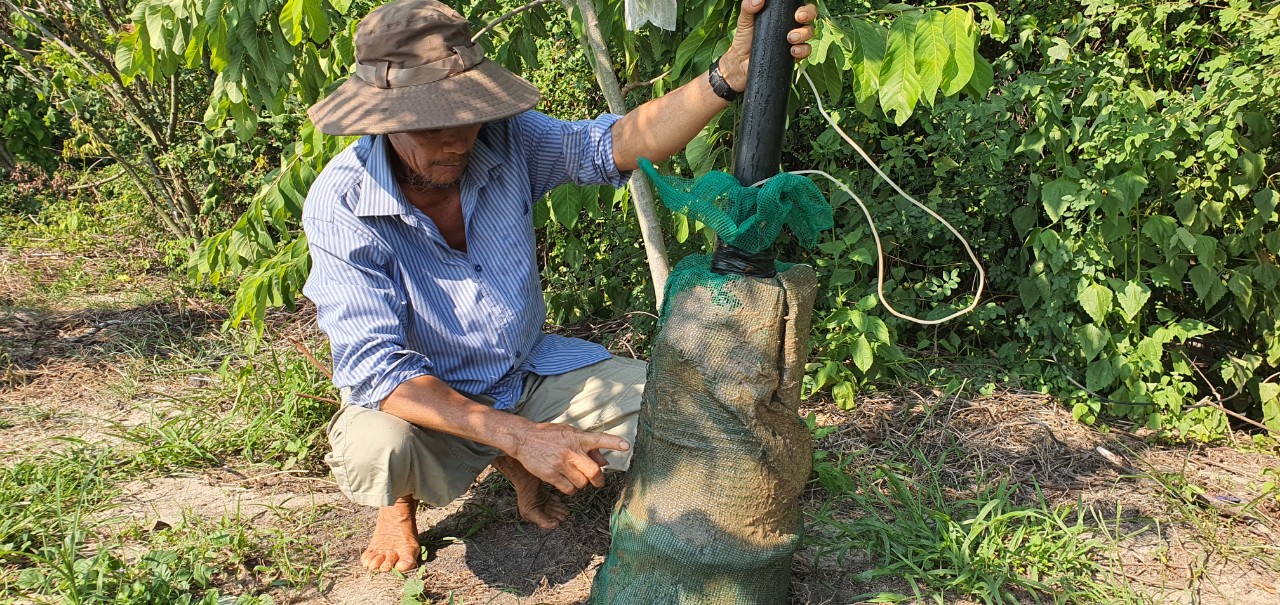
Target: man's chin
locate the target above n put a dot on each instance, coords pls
(422, 182)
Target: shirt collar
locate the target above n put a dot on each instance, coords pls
(381, 196)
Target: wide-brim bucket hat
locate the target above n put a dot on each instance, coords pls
(417, 69)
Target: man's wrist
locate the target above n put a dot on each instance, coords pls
(733, 72)
(511, 433)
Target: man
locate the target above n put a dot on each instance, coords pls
(424, 274)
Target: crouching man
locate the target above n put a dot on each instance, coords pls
(426, 281)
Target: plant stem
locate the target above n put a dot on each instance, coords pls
(492, 24)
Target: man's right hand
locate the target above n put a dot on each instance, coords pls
(565, 457)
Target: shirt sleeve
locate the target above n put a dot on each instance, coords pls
(560, 152)
(362, 310)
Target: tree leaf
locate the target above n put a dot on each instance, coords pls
(1132, 298)
(1024, 218)
(931, 53)
(317, 20)
(899, 83)
(124, 56)
(984, 76)
(156, 21)
(877, 329)
(291, 20)
(1054, 197)
(1203, 280)
(340, 5)
(566, 204)
(961, 35)
(843, 393)
(1265, 201)
(867, 57)
(1092, 340)
(219, 53)
(1100, 375)
(688, 49)
(862, 356)
(1128, 188)
(1095, 299)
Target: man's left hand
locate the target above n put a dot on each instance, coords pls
(734, 63)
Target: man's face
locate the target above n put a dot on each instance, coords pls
(434, 159)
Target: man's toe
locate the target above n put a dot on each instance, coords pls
(405, 564)
(545, 521)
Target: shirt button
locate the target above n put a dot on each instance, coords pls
(479, 268)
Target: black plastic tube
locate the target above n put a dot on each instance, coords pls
(758, 148)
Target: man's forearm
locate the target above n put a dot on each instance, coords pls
(428, 402)
(659, 128)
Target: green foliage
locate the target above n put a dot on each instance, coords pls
(31, 129)
(984, 546)
(1120, 189)
(256, 51)
(1150, 269)
(281, 425)
(38, 495)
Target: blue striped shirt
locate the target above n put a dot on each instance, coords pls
(398, 302)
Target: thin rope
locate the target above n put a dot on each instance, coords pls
(875, 233)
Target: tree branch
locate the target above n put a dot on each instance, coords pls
(492, 24)
(134, 111)
(12, 43)
(631, 86)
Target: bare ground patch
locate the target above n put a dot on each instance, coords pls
(1188, 524)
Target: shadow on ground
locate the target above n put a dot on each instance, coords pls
(483, 542)
(31, 340)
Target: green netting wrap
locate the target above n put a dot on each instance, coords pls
(710, 514)
(747, 218)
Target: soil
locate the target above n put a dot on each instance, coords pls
(74, 367)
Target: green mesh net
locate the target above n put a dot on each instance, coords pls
(747, 218)
(709, 514)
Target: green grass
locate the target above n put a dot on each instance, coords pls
(983, 545)
(56, 538)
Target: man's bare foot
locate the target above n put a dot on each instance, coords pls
(395, 538)
(535, 504)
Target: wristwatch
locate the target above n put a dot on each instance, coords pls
(719, 85)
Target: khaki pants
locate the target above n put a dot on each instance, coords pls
(378, 458)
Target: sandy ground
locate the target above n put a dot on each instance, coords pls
(74, 366)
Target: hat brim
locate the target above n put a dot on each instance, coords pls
(484, 93)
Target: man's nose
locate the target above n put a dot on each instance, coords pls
(455, 143)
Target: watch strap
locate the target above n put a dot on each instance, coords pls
(719, 85)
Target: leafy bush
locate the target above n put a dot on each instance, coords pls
(1120, 187)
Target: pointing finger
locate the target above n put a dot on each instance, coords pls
(605, 441)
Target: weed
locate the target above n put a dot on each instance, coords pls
(985, 545)
(40, 500)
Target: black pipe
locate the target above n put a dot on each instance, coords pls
(758, 146)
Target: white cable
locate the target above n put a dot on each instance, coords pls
(875, 233)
